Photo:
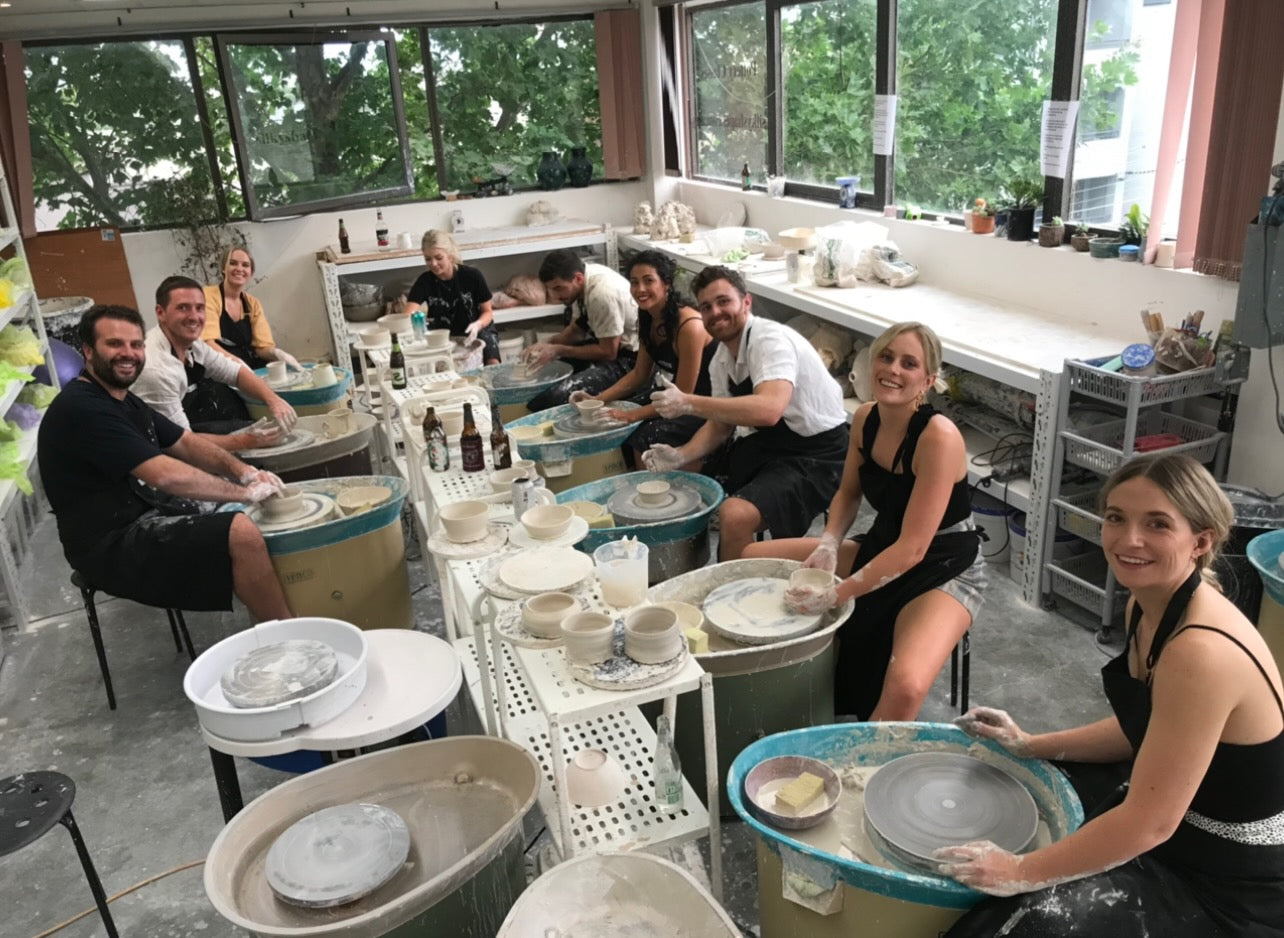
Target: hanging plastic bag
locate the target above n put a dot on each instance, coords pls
(38, 395)
(838, 251)
(19, 346)
(11, 467)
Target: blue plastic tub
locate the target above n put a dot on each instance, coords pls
(1264, 554)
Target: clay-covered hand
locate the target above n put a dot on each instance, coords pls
(265, 433)
(621, 416)
(580, 395)
(472, 329)
(290, 361)
(256, 492)
(810, 600)
(262, 475)
(282, 413)
(825, 556)
(985, 867)
(670, 401)
(988, 723)
(539, 355)
(661, 457)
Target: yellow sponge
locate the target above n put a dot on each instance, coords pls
(795, 797)
(546, 428)
(604, 520)
(697, 641)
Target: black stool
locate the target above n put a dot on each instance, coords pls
(959, 695)
(30, 805)
(176, 626)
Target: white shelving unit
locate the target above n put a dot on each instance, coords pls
(477, 244)
(25, 308)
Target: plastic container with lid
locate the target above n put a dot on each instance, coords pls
(847, 186)
(1138, 359)
(1129, 252)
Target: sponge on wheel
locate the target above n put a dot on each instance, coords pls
(795, 797)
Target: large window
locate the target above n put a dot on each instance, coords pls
(729, 53)
(972, 78)
(319, 123)
(827, 53)
(507, 93)
(115, 135)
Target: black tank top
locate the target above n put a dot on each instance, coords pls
(888, 491)
(665, 352)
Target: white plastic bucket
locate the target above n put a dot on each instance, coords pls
(1067, 545)
(991, 516)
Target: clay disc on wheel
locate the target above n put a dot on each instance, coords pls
(337, 855)
(919, 803)
(272, 674)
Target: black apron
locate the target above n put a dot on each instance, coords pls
(237, 336)
(212, 407)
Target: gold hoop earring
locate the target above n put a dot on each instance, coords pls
(920, 400)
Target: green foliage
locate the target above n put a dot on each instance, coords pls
(729, 50)
(1023, 193)
(1080, 228)
(1135, 224)
(1056, 222)
(1101, 84)
(982, 208)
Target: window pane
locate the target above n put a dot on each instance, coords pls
(1125, 80)
(114, 133)
(317, 121)
(410, 66)
(220, 125)
(972, 79)
(505, 94)
(729, 46)
(828, 52)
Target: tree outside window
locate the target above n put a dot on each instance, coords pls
(729, 73)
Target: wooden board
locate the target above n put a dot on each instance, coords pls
(84, 262)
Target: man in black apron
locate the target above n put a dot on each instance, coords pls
(778, 406)
(191, 384)
(600, 335)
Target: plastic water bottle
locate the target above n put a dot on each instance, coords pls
(667, 770)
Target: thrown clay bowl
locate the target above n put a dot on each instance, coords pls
(809, 577)
(396, 322)
(547, 521)
(452, 420)
(590, 410)
(361, 498)
(589, 637)
(501, 480)
(526, 434)
(438, 338)
(653, 493)
(465, 521)
(542, 615)
(689, 616)
(286, 505)
(651, 635)
(594, 779)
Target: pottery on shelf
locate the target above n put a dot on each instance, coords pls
(594, 779)
(651, 635)
(465, 521)
(550, 173)
(589, 637)
(542, 615)
(547, 521)
(579, 170)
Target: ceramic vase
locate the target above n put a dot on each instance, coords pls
(550, 173)
(579, 169)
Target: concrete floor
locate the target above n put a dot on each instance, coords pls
(146, 801)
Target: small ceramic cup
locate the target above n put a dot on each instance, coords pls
(452, 421)
(542, 615)
(589, 636)
(337, 422)
(285, 505)
(277, 372)
(590, 410)
(809, 577)
(404, 241)
(525, 468)
(653, 493)
(438, 338)
(323, 375)
(651, 635)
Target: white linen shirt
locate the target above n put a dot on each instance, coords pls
(162, 383)
(771, 351)
(609, 306)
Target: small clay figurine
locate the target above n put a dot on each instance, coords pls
(642, 218)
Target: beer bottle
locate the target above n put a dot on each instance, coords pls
(471, 448)
(344, 246)
(435, 441)
(397, 364)
(500, 452)
(381, 231)
(746, 178)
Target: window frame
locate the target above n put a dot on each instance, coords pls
(254, 210)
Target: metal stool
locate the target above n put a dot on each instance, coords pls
(959, 695)
(177, 626)
(30, 805)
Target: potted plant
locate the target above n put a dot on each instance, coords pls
(1135, 225)
(1079, 240)
(982, 217)
(1023, 197)
(1052, 233)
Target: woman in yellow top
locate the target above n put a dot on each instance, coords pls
(235, 323)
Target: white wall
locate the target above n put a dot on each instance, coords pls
(286, 277)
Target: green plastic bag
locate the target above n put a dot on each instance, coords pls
(38, 395)
(19, 345)
(11, 468)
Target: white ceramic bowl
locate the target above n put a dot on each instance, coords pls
(589, 511)
(594, 779)
(590, 409)
(438, 338)
(526, 434)
(501, 480)
(361, 498)
(527, 466)
(375, 337)
(773, 250)
(797, 239)
(689, 616)
(653, 493)
(547, 521)
(396, 322)
(452, 420)
(542, 615)
(651, 635)
(465, 521)
(816, 579)
(589, 637)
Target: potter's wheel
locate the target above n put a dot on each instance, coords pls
(752, 611)
(313, 509)
(577, 425)
(295, 439)
(627, 507)
(516, 374)
(919, 803)
(292, 379)
(272, 674)
(337, 855)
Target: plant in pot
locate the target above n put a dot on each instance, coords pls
(1135, 225)
(1079, 240)
(1023, 197)
(982, 217)
(1052, 233)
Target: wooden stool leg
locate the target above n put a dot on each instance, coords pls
(173, 629)
(966, 671)
(92, 614)
(95, 886)
(182, 627)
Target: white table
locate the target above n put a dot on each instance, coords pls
(411, 677)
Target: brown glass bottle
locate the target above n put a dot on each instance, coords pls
(435, 441)
(397, 365)
(344, 246)
(501, 453)
(471, 448)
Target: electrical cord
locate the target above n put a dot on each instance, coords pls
(124, 892)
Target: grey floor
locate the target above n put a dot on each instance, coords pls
(146, 801)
